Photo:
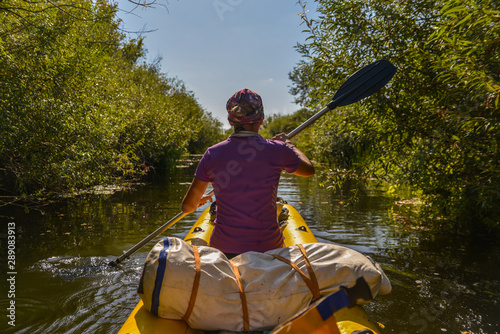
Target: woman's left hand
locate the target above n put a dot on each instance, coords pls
(205, 198)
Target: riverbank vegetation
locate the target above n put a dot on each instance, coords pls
(80, 106)
(436, 126)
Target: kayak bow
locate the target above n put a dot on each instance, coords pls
(295, 231)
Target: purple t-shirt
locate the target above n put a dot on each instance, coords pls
(245, 173)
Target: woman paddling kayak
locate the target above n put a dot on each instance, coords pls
(244, 171)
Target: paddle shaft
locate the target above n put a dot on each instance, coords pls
(147, 239)
(332, 105)
(308, 122)
(153, 235)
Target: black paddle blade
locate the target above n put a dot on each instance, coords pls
(363, 83)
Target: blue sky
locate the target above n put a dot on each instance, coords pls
(217, 47)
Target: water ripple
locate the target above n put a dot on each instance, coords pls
(68, 267)
(99, 302)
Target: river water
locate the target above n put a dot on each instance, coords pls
(61, 283)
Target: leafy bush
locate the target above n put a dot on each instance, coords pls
(436, 125)
(77, 106)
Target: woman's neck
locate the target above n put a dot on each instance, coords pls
(253, 127)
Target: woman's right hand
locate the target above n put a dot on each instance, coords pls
(284, 138)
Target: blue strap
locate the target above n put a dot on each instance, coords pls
(160, 272)
(332, 304)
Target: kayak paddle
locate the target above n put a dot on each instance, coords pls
(361, 84)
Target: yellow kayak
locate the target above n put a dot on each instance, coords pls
(296, 231)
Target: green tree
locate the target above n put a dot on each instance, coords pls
(77, 105)
(207, 130)
(436, 125)
(275, 124)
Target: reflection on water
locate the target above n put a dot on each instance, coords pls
(64, 285)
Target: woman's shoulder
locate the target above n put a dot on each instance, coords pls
(219, 144)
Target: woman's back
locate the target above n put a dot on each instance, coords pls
(244, 171)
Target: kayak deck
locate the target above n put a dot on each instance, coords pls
(296, 231)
